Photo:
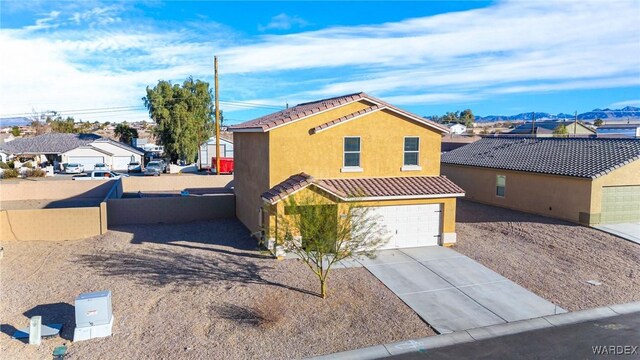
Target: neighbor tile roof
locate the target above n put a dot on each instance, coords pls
(414, 186)
(577, 157)
(390, 186)
(287, 187)
(545, 127)
(347, 117)
(51, 143)
(306, 109)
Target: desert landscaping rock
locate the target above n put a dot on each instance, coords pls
(550, 257)
(196, 291)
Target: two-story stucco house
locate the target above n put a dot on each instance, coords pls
(348, 148)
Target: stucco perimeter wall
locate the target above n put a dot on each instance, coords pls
(561, 197)
(50, 224)
(251, 157)
(169, 209)
(52, 189)
(624, 176)
(175, 182)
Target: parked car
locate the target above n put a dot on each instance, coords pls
(74, 168)
(101, 175)
(134, 167)
(155, 168)
(101, 166)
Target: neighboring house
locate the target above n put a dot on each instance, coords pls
(85, 149)
(352, 148)
(546, 128)
(208, 150)
(619, 130)
(584, 180)
(457, 129)
(451, 142)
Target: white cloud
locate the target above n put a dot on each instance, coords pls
(283, 22)
(621, 104)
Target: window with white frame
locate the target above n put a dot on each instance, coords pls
(501, 185)
(411, 151)
(351, 152)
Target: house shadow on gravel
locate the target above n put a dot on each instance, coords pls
(472, 212)
(200, 253)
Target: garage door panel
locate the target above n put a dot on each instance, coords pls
(120, 162)
(620, 204)
(89, 162)
(410, 225)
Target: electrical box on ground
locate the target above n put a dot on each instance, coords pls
(94, 317)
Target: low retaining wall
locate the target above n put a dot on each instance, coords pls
(50, 224)
(52, 189)
(170, 209)
(175, 182)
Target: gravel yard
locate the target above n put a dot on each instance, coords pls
(196, 291)
(550, 257)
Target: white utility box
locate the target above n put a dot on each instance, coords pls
(94, 317)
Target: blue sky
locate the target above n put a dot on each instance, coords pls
(428, 57)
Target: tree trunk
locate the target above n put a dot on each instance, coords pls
(323, 288)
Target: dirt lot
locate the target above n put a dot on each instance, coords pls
(550, 257)
(196, 291)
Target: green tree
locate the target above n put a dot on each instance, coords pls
(598, 122)
(467, 118)
(59, 125)
(560, 131)
(451, 117)
(321, 233)
(125, 133)
(15, 131)
(183, 114)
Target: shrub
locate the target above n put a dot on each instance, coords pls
(28, 165)
(9, 173)
(35, 173)
(3, 165)
(11, 164)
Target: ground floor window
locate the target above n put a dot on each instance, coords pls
(501, 185)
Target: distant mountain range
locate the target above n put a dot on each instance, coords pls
(629, 112)
(14, 121)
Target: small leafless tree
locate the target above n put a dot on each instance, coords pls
(322, 233)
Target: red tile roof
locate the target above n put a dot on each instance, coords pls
(390, 186)
(287, 187)
(306, 109)
(347, 117)
(378, 188)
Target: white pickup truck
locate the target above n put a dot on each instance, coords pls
(100, 175)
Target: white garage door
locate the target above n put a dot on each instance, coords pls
(410, 225)
(120, 163)
(88, 161)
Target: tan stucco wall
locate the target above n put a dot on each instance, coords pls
(555, 196)
(52, 189)
(50, 224)
(381, 134)
(170, 209)
(175, 182)
(626, 175)
(251, 158)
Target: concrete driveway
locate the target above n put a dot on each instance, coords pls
(629, 231)
(452, 292)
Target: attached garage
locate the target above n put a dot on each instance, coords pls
(410, 225)
(620, 204)
(89, 162)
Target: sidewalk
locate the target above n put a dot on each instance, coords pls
(472, 335)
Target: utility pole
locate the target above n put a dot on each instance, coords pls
(217, 105)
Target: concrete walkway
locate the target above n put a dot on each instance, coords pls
(452, 292)
(476, 335)
(629, 231)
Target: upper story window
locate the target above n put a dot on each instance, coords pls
(411, 151)
(501, 185)
(351, 152)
